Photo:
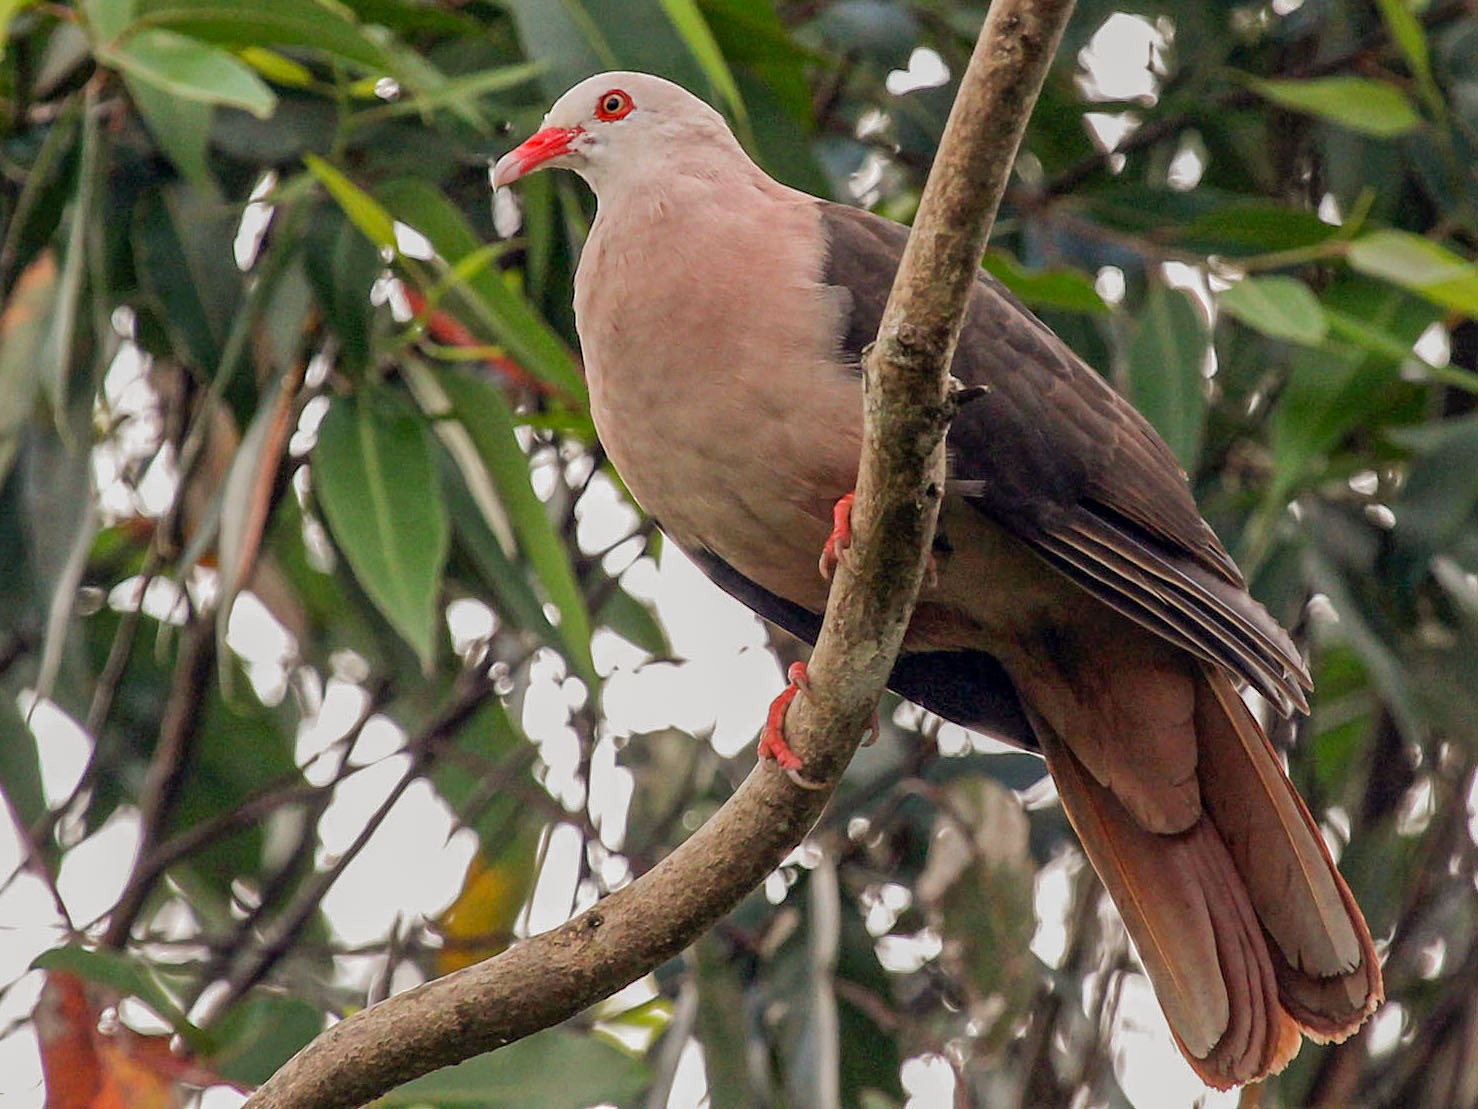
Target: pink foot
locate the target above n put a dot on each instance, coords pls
(840, 538)
(772, 736)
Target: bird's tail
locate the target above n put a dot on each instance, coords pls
(1248, 932)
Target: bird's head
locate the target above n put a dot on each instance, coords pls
(617, 127)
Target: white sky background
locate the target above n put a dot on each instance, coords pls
(724, 688)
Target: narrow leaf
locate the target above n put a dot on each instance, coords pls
(320, 25)
(1406, 32)
(1420, 265)
(362, 209)
(58, 345)
(482, 410)
(463, 91)
(189, 69)
(1164, 367)
(1067, 289)
(693, 27)
(376, 479)
(1280, 307)
(180, 126)
(23, 327)
(1356, 103)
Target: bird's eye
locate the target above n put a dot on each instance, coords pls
(614, 105)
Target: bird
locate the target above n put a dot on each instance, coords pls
(1078, 604)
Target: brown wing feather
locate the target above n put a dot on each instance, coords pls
(1053, 454)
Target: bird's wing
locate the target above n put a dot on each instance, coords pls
(1050, 452)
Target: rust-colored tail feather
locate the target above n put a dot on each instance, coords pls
(1246, 929)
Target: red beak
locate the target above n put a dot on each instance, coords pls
(533, 153)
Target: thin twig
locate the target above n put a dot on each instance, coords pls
(173, 757)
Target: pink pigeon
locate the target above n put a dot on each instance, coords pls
(1079, 604)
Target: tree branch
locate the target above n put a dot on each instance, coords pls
(549, 977)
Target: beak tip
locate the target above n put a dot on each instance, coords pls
(506, 171)
(534, 154)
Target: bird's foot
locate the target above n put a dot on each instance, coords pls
(840, 538)
(772, 736)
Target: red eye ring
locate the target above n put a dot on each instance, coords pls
(613, 105)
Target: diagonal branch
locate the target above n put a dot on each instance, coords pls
(550, 977)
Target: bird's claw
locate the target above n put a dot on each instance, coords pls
(840, 541)
(772, 736)
(840, 538)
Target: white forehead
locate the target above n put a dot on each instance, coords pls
(648, 93)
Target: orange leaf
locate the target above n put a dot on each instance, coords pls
(65, 1025)
(88, 1068)
(479, 923)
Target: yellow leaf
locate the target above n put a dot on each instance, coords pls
(479, 923)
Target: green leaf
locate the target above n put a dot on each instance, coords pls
(60, 340)
(20, 761)
(363, 210)
(554, 1069)
(458, 91)
(690, 24)
(260, 1034)
(1420, 265)
(504, 583)
(1164, 370)
(1068, 290)
(722, 1025)
(1406, 32)
(506, 315)
(23, 329)
(503, 822)
(1280, 307)
(978, 882)
(1241, 227)
(342, 265)
(189, 69)
(376, 480)
(313, 24)
(1356, 103)
(107, 19)
(1438, 501)
(182, 251)
(1373, 339)
(181, 127)
(581, 37)
(39, 205)
(1369, 639)
(127, 976)
(633, 620)
(481, 409)
(276, 67)
(1331, 391)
